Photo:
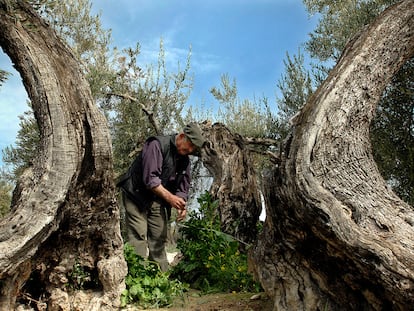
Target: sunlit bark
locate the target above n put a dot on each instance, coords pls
(64, 215)
(336, 237)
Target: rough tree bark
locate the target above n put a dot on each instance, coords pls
(336, 237)
(234, 181)
(63, 231)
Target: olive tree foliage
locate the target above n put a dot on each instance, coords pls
(339, 22)
(5, 194)
(5, 184)
(3, 76)
(295, 87)
(20, 156)
(243, 116)
(17, 158)
(392, 133)
(145, 101)
(130, 94)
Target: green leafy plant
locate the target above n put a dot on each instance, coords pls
(146, 285)
(79, 276)
(212, 259)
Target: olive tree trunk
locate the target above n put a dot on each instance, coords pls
(336, 237)
(62, 238)
(234, 181)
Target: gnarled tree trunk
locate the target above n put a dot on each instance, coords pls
(234, 181)
(63, 231)
(336, 237)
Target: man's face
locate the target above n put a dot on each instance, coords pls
(184, 145)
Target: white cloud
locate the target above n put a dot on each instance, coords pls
(206, 63)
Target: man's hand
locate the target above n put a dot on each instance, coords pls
(181, 214)
(175, 201)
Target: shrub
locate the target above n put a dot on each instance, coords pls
(212, 261)
(147, 285)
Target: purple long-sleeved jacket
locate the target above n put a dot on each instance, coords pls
(152, 168)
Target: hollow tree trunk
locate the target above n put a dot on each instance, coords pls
(336, 237)
(234, 181)
(63, 230)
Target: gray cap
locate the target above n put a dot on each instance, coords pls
(193, 132)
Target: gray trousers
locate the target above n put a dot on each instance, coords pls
(147, 230)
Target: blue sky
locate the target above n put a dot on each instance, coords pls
(245, 39)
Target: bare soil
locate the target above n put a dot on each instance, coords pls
(195, 301)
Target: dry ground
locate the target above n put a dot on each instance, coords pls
(194, 301)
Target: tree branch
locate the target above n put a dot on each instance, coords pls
(267, 142)
(149, 113)
(260, 141)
